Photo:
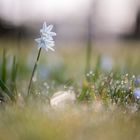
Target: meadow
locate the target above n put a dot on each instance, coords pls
(106, 105)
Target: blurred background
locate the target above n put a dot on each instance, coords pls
(109, 29)
(107, 18)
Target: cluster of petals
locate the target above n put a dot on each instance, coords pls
(46, 40)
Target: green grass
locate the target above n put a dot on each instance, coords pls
(65, 68)
(8, 85)
(105, 108)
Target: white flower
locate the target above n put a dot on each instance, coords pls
(43, 42)
(46, 40)
(46, 31)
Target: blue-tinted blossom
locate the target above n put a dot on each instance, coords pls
(46, 40)
(136, 93)
(43, 42)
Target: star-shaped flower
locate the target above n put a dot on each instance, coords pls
(46, 40)
(43, 42)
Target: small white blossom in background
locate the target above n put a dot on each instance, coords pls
(46, 40)
(136, 93)
(63, 98)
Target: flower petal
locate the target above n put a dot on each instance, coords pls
(51, 44)
(49, 28)
(46, 40)
(51, 48)
(44, 26)
(38, 40)
(52, 33)
(49, 41)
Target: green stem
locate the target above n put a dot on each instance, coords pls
(89, 45)
(33, 72)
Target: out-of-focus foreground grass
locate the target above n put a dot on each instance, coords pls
(41, 122)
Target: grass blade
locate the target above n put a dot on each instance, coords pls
(3, 68)
(14, 75)
(6, 90)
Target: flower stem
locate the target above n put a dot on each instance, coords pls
(33, 72)
(89, 45)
